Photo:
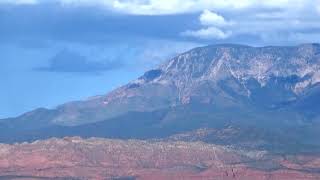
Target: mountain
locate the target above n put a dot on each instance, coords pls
(262, 91)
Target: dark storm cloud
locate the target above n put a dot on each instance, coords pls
(89, 25)
(68, 61)
(246, 22)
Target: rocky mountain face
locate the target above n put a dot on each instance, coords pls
(271, 90)
(223, 111)
(76, 158)
(227, 75)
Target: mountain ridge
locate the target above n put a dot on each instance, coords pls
(270, 88)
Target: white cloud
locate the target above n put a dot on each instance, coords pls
(144, 7)
(209, 18)
(269, 22)
(208, 33)
(318, 7)
(19, 2)
(157, 7)
(212, 23)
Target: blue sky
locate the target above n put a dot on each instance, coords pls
(54, 51)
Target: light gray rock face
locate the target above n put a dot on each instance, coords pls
(221, 62)
(226, 72)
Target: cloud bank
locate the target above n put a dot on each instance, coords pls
(19, 2)
(266, 22)
(160, 7)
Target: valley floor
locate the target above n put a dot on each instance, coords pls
(97, 158)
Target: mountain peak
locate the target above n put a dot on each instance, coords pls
(225, 75)
(244, 61)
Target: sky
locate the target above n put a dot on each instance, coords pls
(55, 51)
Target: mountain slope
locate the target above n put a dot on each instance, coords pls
(271, 89)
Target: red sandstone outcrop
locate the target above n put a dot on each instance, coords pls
(75, 158)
